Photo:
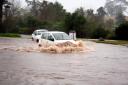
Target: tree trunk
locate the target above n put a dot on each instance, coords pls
(1, 13)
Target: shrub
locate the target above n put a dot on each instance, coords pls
(121, 31)
(100, 32)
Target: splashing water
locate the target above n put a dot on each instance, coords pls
(66, 47)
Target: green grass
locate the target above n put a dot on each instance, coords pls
(114, 42)
(9, 35)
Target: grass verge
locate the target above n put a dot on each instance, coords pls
(9, 35)
(114, 42)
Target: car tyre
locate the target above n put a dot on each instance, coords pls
(39, 45)
(37, 40)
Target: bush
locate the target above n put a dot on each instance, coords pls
(111, 34)
(100, 32)
(121, 31)
(26, 30)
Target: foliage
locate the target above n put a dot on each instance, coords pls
(109, 24)
(10, 10)
(122, 31)
(28, 24)
(75, 22)
(52, 16)
(45, 15)
(90, 12)
(101, 12)
(80, 11)
(120, 18)
(114, 7)
(100, 32)
(32, 22)
(10, 25)
(94, 22)
(49, 11)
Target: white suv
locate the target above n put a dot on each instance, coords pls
(54, 37)
(37, 34)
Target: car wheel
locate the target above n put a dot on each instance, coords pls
(39, 45)
(37, 40)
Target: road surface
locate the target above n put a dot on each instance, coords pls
(105, 65)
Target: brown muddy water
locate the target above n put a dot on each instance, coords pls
(67, 47)
(104, 64)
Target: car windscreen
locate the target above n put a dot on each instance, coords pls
(61, 36)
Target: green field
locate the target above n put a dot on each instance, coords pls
(9, 35)
(114, 42)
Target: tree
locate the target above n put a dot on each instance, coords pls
(122, 31)
(101, 12)
(109, 24)
(76, 22)
(35, 4)
(109, 7)
(100, 16)
(113, 7)
(51, 11)
(90, 12)
(91, 23)
(80, 11)
(2, 2)
(50, 15)
(91, 17)
(32, 22)
(1, 9)
(120, 18)
(12, 14)
(100, 32)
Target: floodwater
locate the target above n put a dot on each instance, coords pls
(105, 64)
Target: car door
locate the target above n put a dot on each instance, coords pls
(44, 39)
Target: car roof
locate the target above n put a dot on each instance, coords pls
(41, 30)
(54, 32)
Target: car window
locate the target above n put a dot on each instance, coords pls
(45, 36)
(34, 32)
(39, 32)
(50, 37)
(61, 36)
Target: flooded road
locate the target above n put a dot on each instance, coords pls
(105, 64)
